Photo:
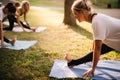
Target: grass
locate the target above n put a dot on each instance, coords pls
(52, 3)
(36, 62)
(103, 3)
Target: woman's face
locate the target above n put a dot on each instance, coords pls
(80, 16)
(27, 7)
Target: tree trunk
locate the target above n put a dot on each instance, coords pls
(68, 16)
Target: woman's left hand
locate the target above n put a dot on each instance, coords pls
(88, 73)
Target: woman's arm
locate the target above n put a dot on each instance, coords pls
(25, 18)
(18, 20)
(1, 34)
(96, 54)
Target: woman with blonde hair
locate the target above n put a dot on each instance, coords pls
(106, 35)
(22, 10)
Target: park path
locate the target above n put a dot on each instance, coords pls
(111, 12)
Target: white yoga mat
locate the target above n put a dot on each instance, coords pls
(38, 29)
(7, 23)
(106, 70)
(19, 45)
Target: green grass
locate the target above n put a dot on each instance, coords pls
(36, 62)
(54, 3)
(114, 3)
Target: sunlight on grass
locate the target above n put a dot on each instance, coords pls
(59, 39)
(35, 63)
(45, 16)
(86, 26)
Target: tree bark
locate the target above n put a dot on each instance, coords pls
(68, 16)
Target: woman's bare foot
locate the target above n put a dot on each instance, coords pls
(12, 42)
(67, 57)
(2, 45)
(33, 29)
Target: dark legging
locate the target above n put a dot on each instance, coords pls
(6, 40)
(12, 19)
(88, 57)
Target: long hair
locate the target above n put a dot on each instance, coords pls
(24, 5)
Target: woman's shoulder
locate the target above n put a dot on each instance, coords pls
(19, 11)
(105, 18)
(100, 17)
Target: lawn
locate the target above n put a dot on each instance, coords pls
(36, 62)
(103, 3)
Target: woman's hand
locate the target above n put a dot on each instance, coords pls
(88, 73)
(23, 30)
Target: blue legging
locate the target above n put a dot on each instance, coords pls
(89, 56)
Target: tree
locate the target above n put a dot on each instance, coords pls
(68, 16)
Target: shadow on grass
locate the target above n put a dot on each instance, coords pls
(24, 64)
(82, 31)
(10, 62)
(51, 78)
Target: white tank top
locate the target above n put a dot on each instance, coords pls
(107, 29)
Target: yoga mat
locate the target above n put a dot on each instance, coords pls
(7, 23)
(38, 29)
(19, 45)
(106, 70)
(19, 29)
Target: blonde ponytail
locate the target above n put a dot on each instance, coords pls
(79, 5)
